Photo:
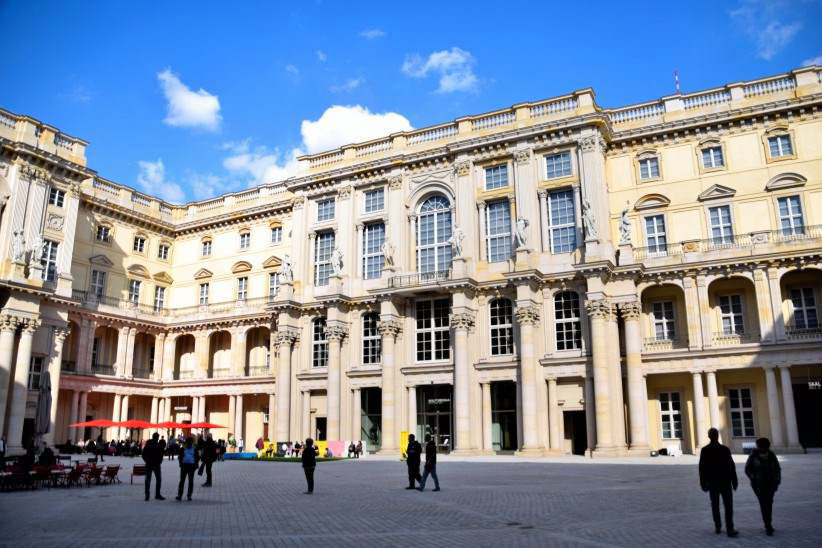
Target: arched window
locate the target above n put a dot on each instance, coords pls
(319, 348)
(433, 232)
(502, 327)
(567, 320)
(371, 340)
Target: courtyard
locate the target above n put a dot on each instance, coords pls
(495, 501)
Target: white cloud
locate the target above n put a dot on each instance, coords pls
(152, 179)
(260, 165)
(760, 19)
(455, 68)
(812, 61)
(291, 69)
(371, 34)
(321, 56)
(187, 108)
(350, 85)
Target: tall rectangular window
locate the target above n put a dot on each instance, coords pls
(203, 294)
(98, 283)
(670, 408)
(731, 314)
(567, 321)
(562, 221)
(712, 157)
(501, 312)
(790, 215)
(496, 177)
(276, 234)
(325, 209)
(558, 165)
(139, 244)
(742, 413)
(159, 298)
(803, 302)
(780, 145)
(95, 353)
(721, 229)
(433, 330)
(35, 370)
(649, 168)
(655, 234)
(162, 252)
(372, 255)
(134, 291)
(56, 197)
(207, 248)
(273, 285)
(245, 240)
(498, 231)
(323, 246)
(374, 200)
(49, 260)
(662, 314)
(103, 233)
(371, 339)
(319, 344)
(242, 289)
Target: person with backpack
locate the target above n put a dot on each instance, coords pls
(765, 474)
(309, 460)
(189, 460)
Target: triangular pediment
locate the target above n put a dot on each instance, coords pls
(202, 273)
(785, 180)
(163, 277)
(272, 262)
(715, 192)
(139, 270)
(101, 260)
(650, 201)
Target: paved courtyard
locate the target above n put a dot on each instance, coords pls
(563, 502)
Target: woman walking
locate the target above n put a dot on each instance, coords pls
(765, 474)
(189, 460)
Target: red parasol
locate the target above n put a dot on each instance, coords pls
(169, 424)
(203, 425)
(134, 423)
(97, 423)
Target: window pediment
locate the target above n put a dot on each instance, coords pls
(647, 153)
(715, 192)
(241, 266)
(202, 273)
(139, 270)
(101, 260)
(786, 180)
(272, 262)
(163, 277)
(651, 201)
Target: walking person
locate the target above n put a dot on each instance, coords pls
(153, 457)
(717, 476)
(413, 454)
(765, 474)
(309, 460)
(209, 456)
(189, 459)
(430, 467)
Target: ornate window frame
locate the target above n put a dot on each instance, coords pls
(168, 245)
(647, 154)
(775, 131)
(203, 241)
(707, 143)
(107, 224)
(146, 243)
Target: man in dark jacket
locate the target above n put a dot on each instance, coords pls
(309, 460)
(430, 464)
(153, 457)
(413, 454)
(765, 474)
(209, 456)
(717, 475)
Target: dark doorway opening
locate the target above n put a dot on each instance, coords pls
(321, 429)
(371, 418)
(808, 403)
(575, 430)
(504, 416)
(434, 414)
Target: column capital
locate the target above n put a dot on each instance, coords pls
(542, 193)
(527, 314)
(598, 309)
(30, 325)
(9, 322)
(784, 366)
(463, 320)
(61, 333)
(395, 182)
(523, 156)
(389, 328)
(631, 310)
(336, 332)
(284, 338)
(462, 168)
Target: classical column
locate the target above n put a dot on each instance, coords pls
(8, 330)
(713, 399)
(704, 311)
(82, 345)
(774, 409)
(637, 405)
(168, 410)
(201, 350)
(81, 415)
(358, 252)
(487, 415)
(159, 355)
(155, 409)
(527, 316)
(239, 367)
(285, 339)
(20, 392)
(305, 420)
(701, 430)
(598, 310)
(483, 246)
(232, 415)
(553, 415)
(615, 380)
(238, 420)
(195, 409)
(272, 405)
(75, 409)
(765, 314)
(114, 431)
(788, 403)
(55, 363)
(122, 343)
(169, 351)
(85, 366)
(124, 415)
(202, 416)
(335, 335)
(161, 411)
(389, 329)
(543, 220)
(461, 322)
(590, 415)
(693, 314)
(356, 415)
(776, 304)
(412, 410)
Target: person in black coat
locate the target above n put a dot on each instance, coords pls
(309, 460)
(765, 474)
(209, 456)
(153, 457)
(413, 454)
(430, 464)
(717, 476)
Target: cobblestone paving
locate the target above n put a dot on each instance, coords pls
(358, 503)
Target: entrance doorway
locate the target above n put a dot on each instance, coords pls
(434, 414)
(808, 403)
(575, 431)
(504, 416)
(371, 418)
(319, 434)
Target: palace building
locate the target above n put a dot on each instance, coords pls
(551, 278)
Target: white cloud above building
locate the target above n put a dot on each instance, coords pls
(454, 67)
(188, 108)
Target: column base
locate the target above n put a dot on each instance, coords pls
(610, 452)
(485, 453)
(530, 452)
(639, 451)
(388, 453)
(553, 452)
(463, 452)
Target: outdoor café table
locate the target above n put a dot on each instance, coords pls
(57, 476)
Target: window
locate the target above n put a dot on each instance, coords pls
(206, 248)
(325, 210)
(162, 252)
(433, 232)
(498, 231)
(103, 234)
(562, 221)
(790, 215)
(730, 310)
(374, 200)
(98, 283)
(804, 308)
(49, 260)
(273, 285)
(159, 298)
(721, 229)
(319, 344)
(502, 327)
(496, 177)
(242, 288)
(567, 321)
(780, 145)
(712, 157)
(276, 234)
(655, 233)
(203, 294)
(670, 415)
(662, 315)
(95, 353)
(742, 414)
(323, 246)
(649, 168)
(139, 244)
(245, 240)
(57, 197)
(372, 256)
(35, 370)
(371, 339)
(134, 291)
(433, 330)
(558, 165)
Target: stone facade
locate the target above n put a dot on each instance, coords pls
(550, 278)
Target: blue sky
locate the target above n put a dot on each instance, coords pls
(187, 100)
